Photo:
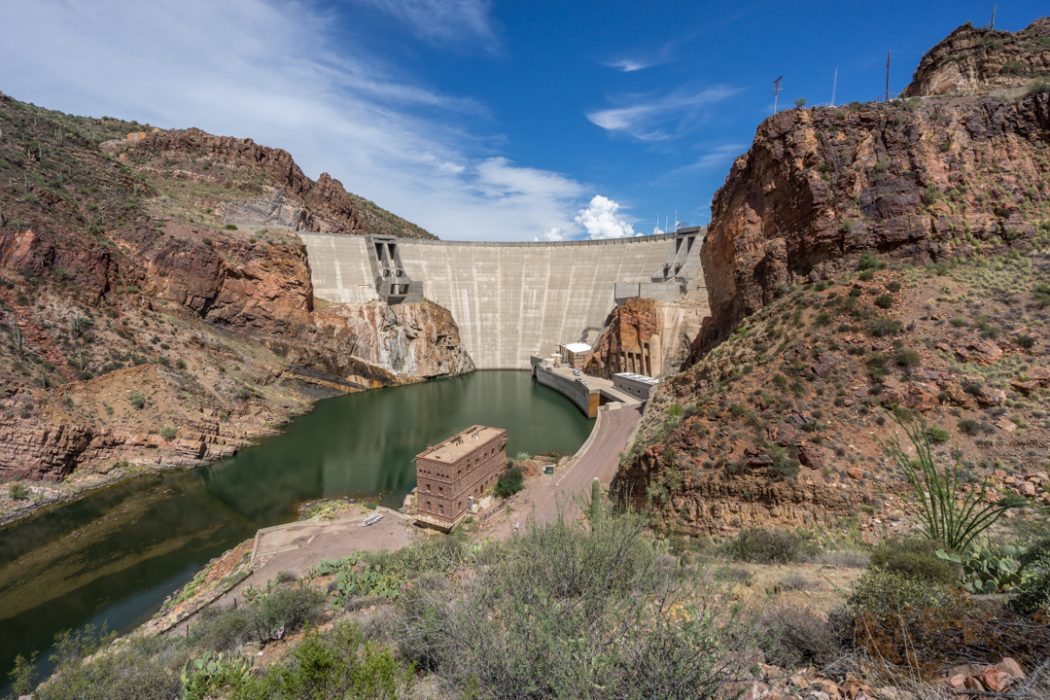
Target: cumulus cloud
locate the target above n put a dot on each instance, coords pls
(280, 74)
(660, 117)
(601, 219)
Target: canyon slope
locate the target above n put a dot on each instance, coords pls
(156, 305)
(861, 259)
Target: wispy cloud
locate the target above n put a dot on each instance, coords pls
(660, 117)
(443, 21)
(278, 74)
(717, 156)
(640, 59)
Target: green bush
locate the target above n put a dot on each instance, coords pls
(1042, 293)
(140, 669)
(791, 636)
(570, 612)
(1033, 593)
(883, 327)
(137, 400)
(269, 616)
(913, 558)
(869, 261)
(18, 492)
(333, 664)
(907, 359)
(168, 433)
(937, 436)
(884, 301)
(509, 483)
(769, 546)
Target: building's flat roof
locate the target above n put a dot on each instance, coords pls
(461, 443)
(638, 377)
(577, 347)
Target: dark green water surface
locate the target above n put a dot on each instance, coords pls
(113, 556)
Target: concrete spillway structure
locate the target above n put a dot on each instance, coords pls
(510, 300)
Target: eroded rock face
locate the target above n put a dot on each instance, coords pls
(972, 61)
(648, 336)
(820, 186)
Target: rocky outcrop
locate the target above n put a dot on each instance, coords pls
(648, 336)
(819, 186)
(976, 61)
(297, 202)
(411, 341)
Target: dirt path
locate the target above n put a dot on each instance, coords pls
(545, 496)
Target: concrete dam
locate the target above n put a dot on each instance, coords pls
(510, 300)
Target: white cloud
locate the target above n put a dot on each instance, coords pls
(277, 74)
(718, 156)
(631, 65)
(554, 234)
(660, 117)
(601, 219)
(442, 21)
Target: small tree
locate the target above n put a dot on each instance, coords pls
(949, 516)
(800, 102)
(510, 482)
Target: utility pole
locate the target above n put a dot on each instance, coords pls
(834, 85)
(887, 75)
(994, 8)
(776, 92)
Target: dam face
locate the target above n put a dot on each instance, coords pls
(510, 300)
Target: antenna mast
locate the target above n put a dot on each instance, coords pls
(834, 85)
(776, 92)
(994, 8)
(887, 75)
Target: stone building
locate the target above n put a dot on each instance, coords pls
(575, 355)
(454, 473)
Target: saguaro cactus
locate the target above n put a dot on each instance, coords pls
(596, 500)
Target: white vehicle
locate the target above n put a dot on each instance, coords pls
(576, 373)
(372, 519)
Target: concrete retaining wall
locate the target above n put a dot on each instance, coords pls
(576, 391)
(510, 300)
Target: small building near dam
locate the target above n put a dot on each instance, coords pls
(453, 474)
(637, 385)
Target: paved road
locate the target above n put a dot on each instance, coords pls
(546, 496)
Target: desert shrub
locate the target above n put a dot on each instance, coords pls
(883, 327)
(1042, 294)
(884, 301)
(221, 629)
(168, 433)
(887, 609)
(968, 426)
(1025, 341)
(869, 261)
(913, 558)
(893, 286)
(1033, 593)
(568, 611)
(137, 669)
(509, 483)
(907, 359)
(18, 492)
(791, 636)
(137, 400)
(938, 436)
(334, 664)
(269, 616)
(769, 546)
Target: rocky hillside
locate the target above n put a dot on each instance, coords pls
(973, 61)
(782, 415)
(156, 306)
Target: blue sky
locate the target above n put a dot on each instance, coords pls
(480, 120)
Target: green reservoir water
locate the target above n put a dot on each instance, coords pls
(112, 557)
